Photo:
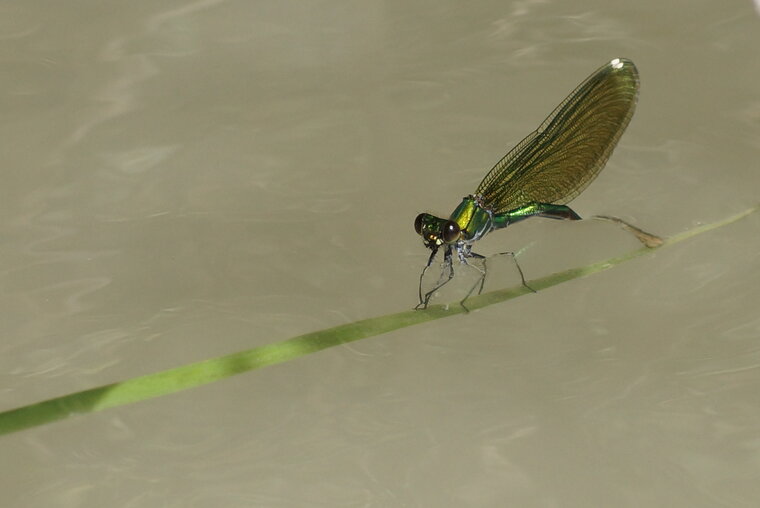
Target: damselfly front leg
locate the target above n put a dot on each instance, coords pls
(447, 273)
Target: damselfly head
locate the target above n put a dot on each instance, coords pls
(436, 231)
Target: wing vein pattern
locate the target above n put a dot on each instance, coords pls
(557, 161)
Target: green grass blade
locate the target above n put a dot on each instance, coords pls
(214, 369)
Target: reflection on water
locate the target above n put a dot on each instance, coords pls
(184, 181)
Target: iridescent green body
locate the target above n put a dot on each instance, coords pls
(473, 219)
(546, 170)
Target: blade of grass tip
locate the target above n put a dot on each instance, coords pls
(214, 369)
(704, 228)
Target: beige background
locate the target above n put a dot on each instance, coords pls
(182, 180)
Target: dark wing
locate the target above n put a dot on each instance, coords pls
(558, 160)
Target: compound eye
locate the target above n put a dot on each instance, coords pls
(418, 223)
(451, 231)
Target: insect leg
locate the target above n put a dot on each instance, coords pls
(519, 270)
(422, 275)
(480, 282)
(448, 266)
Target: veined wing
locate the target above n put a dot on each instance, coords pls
(558, 160)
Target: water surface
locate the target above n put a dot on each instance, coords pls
(190, 179)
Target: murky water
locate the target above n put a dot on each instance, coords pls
(182, 180)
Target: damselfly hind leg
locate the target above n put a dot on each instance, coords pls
(519, 270)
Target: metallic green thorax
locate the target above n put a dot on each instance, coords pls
(474, 221)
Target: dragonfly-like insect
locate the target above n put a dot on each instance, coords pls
(540, 175)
